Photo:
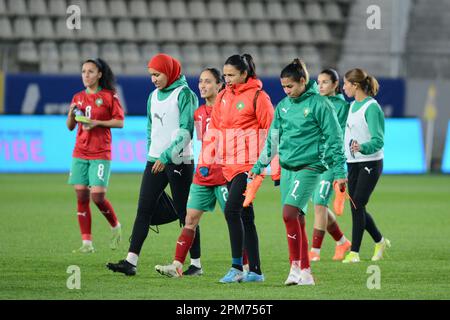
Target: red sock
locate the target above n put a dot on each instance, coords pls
(244, 257)
(105, 208)
(304, 257)
(318, 236)
(84, 214)
(293, 231)
(184, 243)
(335, 231)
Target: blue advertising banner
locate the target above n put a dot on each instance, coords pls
(44, 144)
(51, 94)
(446, 157)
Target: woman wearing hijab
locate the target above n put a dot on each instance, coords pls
(170, 113)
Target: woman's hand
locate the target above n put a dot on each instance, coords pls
(355, 147)
(341, 183)
(158, 167)
(92, 124)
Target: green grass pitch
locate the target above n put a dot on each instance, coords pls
(39, 230)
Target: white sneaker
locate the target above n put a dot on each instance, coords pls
(306, 278)
(294, 276)
(169, 270)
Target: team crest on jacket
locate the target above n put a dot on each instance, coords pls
(306, 112)
(99, 102)
(240, 106)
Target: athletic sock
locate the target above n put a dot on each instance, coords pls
(84, 214)
(196, 263)
(318, 236)
(105, 208)
(335, 231)
(341, 241)
(304, 256)
(132, 258)
(293, 233)
(184, 243)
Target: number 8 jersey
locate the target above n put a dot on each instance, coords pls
(101, 105)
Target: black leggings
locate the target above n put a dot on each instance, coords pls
(241, 223)
(362, 179)
(180, 178)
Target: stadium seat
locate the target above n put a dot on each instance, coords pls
(172, 49)
(105, 29)
(253, 50)
(311, 57)
(275, 10)
(17, 7)
(244, 31)
(23, 28)
(225, 31)
(177, 9)
(282, 32)
(3, 7)
(37, 7)
(205, 31)
(256, 10)
(130, 53)
(302, 33)
(6, 30)
(211, 55)
(87, 31)
(57, 7)
(293, 11)
(70, 67)
(49, 67)
(268, 53)
(321, 33)
(236, 9)
(135, 68)
(98, 8)
(48, 51)
(27, 52)
(228, 50)
(288, 53)
(43, 29)
(62, 32)
(197, 9)
(332, 11)
(217, 9)
(191, 53)
(109, 51)
(165, 30)
(158, 9)
(145, 30)
(263, 31)
(125, 30)
(185, 31)
(83, 7)
(89, 50)
(313, 11)
(117, 9)
(138, 9)
(69, 52)
(148, 50)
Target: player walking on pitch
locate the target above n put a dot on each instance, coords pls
(324, 219)
(209, 184)
(99, 109)
(304, 123)
(364, 140)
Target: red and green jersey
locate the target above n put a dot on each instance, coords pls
(206, 174)
(101, 105)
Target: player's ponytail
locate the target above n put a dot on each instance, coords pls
(108, 80)
(296, 70)
(366, 82)
(243, 63)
